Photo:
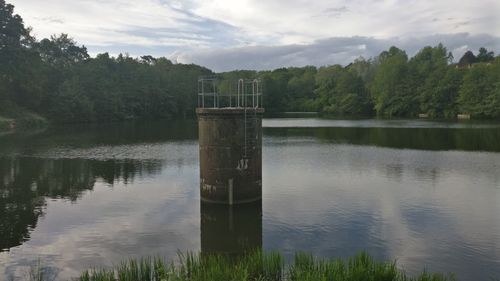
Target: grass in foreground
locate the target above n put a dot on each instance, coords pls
(256, 266)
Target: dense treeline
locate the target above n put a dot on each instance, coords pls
(57, 79)
(392, 85)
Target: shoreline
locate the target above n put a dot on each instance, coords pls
(26, 122)
(257, 265)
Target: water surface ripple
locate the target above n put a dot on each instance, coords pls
(425, 193)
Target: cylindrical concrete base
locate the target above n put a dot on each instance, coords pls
(230, 154)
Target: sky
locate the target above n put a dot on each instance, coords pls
(226, 35)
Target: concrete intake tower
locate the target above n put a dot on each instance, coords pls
(230, 138)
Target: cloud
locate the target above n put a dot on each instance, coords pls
(272, 33)
(334, 12)
(380, 19)
(336, 50)
(50, 20)
(126, 26)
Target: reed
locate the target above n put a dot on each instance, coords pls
(257, 266)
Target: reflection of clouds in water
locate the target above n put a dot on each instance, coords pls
(27, 183)
(330, 236)
(108, 225)
(434, 209)
(427, 209)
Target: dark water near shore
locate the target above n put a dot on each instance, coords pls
(424, 193)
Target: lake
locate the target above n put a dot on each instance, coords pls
(424, 193)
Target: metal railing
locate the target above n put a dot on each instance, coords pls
(214, 92)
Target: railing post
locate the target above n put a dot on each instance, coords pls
(213, 91)
(242, 93)
(202, 95)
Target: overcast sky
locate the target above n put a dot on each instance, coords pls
(266, 34)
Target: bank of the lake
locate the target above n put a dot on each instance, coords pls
(6, 124)
(25, 123)
(14, 118)
(257, 266)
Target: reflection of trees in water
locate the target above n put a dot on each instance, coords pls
(478, 139)
(91, 135)
(415, 149)
(124, 170)
(394, 171)
(26, 182)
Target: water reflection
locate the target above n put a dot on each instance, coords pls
(428, 209)
(27, 182)
(230, 230)
(92, 135)
(81, 198)
(471, 139)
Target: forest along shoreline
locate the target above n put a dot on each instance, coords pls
(54, 80)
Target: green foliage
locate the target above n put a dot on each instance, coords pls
(391, 88)
(15, 117)
(485, 56)
(57, 79)
(341, 91)
(61, 51)
(18, 62)
(479, 94)
(467, 59)
(359, 267)
(434, 83)
(275, 84)
(14, 34)
(255, 266)
(438, 94)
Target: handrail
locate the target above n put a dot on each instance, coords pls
(221, 93)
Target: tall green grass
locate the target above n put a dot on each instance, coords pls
(256, 266)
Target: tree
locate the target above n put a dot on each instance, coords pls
(13, 34)
(56, 77)
(363, 68)
(478, 94)
(341, 91)
(427, 69)
(439, 93)
(274, 84)
(61, 51)
(300, 89)
(485, 56)
(19, 65)
(71, 104)
(390, 89)
(467, 59)
(148, 59)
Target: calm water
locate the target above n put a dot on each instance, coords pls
(424, 193)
